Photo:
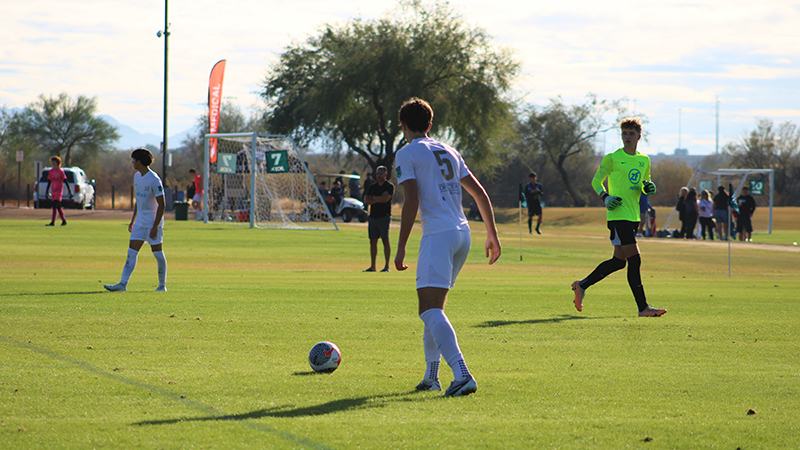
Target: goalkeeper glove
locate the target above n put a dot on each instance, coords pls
(649, 187)
(610, 201)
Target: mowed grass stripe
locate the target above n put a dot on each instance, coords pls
(212, 413)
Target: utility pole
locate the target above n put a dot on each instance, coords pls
(165, 142)
(716, 143)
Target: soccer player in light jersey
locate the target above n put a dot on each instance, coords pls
(147, 223)
(628, 173)
(432, 175)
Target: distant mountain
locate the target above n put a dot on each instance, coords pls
(130, 138)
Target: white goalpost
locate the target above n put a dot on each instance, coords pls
(761, 183)
(261, 180)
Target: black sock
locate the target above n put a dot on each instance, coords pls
(605, 269)
(530, 223)
(635, 281)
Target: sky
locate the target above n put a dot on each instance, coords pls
(672, 60)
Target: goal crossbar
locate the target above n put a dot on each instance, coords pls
(249, 166)
(744, 173)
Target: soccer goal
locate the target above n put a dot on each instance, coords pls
(761, 182)
(260, 180)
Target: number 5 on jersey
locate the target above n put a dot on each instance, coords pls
(447, 171)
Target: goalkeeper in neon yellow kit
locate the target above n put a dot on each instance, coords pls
(628, 174)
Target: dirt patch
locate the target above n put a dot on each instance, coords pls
(72, 214)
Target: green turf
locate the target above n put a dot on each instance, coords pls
(220, 361)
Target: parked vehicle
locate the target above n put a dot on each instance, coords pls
(82, 189)
(348, 208)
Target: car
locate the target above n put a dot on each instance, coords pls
(348, 208)
(82, 189)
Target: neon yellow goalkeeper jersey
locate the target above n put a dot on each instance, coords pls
(625, 175)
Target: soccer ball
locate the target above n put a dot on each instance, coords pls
(325, 357)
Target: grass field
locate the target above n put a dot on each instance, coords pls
(220, 361)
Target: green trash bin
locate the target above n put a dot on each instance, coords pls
(181, 210)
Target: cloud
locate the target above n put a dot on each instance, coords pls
(662, 55)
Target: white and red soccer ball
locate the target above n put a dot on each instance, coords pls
(325, 357)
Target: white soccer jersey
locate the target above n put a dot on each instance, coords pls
(147, 188)
(438, 170)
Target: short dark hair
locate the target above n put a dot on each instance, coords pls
(532, 175)
(192, 170)
(417, 114)
(632, 122)
(143, 155)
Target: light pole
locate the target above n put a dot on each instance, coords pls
(165, 141)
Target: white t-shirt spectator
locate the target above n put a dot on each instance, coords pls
(706, 208)
(438, 170)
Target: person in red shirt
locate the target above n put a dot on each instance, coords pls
(56, 180)
(197, 200)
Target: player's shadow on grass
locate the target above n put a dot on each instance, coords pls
(335, 406)
(20, 294)
(561, 318)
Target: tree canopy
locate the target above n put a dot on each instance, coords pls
(561, 131)
(64, 127)
(346, 84)
(772, 147)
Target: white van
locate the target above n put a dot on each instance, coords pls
(82, 190)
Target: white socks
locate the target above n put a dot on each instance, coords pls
(130, 264)
(432, 355)
(445, 337)
(162, 268)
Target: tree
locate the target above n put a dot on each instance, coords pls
(346, 84)
(562, 131)
(670, 175)
(771, 147)
(231, 120)
(65, 127)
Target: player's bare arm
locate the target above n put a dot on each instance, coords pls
(133, 218)
(159, 216)
(478, 193)
(407, 218)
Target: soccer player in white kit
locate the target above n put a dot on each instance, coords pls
(432, 175)
(147, 223)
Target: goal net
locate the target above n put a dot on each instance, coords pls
(759, 181)
(261, 181)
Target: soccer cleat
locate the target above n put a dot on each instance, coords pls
(369, 270)
(426, 385)
(579, 294)
(464, 387)
(385, 269)
(537, 231)
(652, 312)
(64, 223)
(119, 287)
(51, 224)
(161, 289)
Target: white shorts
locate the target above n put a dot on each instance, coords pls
(198, 198)
(441, 257)
(143, 234)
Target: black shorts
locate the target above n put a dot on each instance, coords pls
(55, 203)
(743, 224)
(379, 228)
(534, 209)
(623, 232)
